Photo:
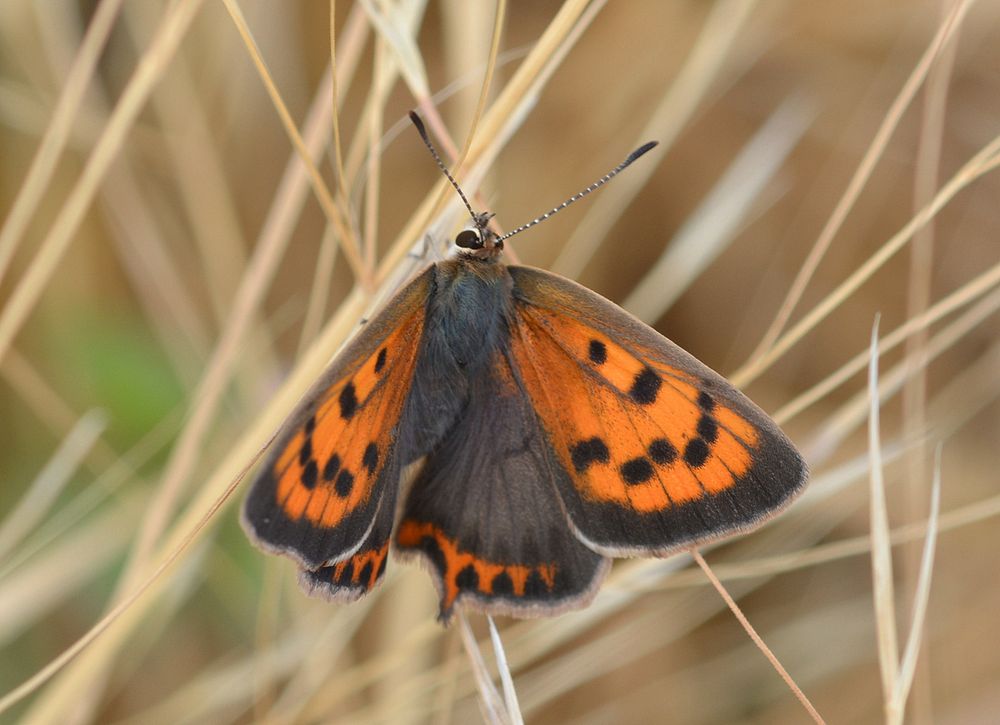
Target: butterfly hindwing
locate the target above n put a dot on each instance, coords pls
(319, 494)
(484, 512)
(661, 452)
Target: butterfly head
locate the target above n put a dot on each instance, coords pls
(478, 239)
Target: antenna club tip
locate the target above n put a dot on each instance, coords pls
(648, 146)
(419, 123)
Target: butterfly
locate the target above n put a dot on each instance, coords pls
(556, 431)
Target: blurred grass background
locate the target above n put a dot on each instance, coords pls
(170, 285)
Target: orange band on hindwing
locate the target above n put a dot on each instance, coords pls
(461, 570)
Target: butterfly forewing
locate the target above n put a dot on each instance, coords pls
(660, 451)
(317, 495)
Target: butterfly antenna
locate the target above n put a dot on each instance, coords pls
(430, 147)
(593, 187)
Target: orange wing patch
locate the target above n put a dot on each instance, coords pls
(462, 570)
(633, 433)
(329, 467)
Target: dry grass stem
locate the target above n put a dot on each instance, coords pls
(885, 601)
(908, 665)
(58, 132)
(745, 623)
(879, 142)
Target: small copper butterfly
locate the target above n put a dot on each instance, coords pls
(558, 431)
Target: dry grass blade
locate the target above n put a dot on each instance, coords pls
(348, 242)
(702, 69)
(837, 550)
(57, 241)
(426, 104)
(302, 698)
(499, 17)
(373, 170)
(885, 603)
(985, 161)
(325, 265)
(968, 393)
(47, 405)
(197, 165)
(220, 692)
(69, 654)
(490, 700)
(338, 150)
(118, 473)
(392, 26)
(534, 71)
(908, 666)
(58, 133)
(863, 173)
(509, 693)
(852, 414)
(919, 294)
(711, 227)
(745, 623)
(30, 596)
(966, 294)
(51, 480)
(221, 366)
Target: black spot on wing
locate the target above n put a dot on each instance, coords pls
(706, 402)
(708, 429)
(348, 402)
(309, 474)
(535, 587)
(365, 576)
(662, 451)
(346, 575)
(344, 484)
(645, 387)
(637, 470)
(370, 459)
(306, 452)
(332, 467)
(598, 352)
(467, 578)
(696, 452)
(380, 361)
(585, 453)
(502, 584)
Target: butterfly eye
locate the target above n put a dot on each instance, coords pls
(469, 239)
